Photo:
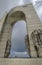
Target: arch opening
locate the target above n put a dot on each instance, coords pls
(18, 45)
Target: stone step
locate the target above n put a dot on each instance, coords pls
(40, 53)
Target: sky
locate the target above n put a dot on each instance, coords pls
(19, 30)
(7, 5)
(18, 47)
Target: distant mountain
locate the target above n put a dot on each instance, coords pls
(19, 55)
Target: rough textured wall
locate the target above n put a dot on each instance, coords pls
(32, 22)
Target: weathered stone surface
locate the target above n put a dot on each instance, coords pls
(28, 14)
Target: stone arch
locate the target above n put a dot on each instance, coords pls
(11, 19)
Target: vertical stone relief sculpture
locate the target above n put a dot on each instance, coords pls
(37, 40)
(7, 50)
